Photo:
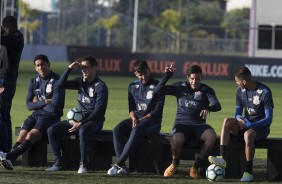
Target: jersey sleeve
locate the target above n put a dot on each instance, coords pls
(29, 98)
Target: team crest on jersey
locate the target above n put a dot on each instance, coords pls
(91, 92)
(48, 88)
(256, 100)
(149, 95)
(259, 91)
(198, 95)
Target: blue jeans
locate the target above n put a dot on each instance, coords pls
(5, 118)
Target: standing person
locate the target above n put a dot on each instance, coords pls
(255, 99)
(13, 40)
(92, 100)
(46, 100)
(195, 101)
(145, 116)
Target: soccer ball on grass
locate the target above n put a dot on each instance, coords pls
(215, 173)
(75, 115)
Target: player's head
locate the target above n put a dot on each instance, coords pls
(42, 65)
(194, 76)
(141, 71)
(88, 67)
(10, 24)
(242, 76)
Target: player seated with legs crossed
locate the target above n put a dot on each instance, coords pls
(255, 99)
(145, 111)
(92, 100)
(46, 100)
(195, 101)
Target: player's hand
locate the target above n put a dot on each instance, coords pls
(2, 89)
(135, 122)
(75, 127)
(48, 101)
(75, 64)
(35, 99)
(171, 68)
(204, 114)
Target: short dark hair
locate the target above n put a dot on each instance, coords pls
(243, 72)
(41, 57)
(140, 66)
(10, 22)
(194, 69)
(92, 60)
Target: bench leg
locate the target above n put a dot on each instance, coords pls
(36, 156)
(150, 158)
(100, 155)
(274, 164)
(71, 153)
(235, 162)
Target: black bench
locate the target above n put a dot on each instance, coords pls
(236, 158)
(100, 153)
(153, 154)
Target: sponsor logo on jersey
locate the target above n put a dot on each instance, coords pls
(189, 103)
(85, 99)
(251, 111)
(142, 106)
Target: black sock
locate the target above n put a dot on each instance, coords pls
(198, 163)
(13, 155)
(16, 145)
(223, 151)
(175, 161)
(249, 167)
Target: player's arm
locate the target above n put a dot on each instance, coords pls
(158, 108)
(100, 103)
(215, 105)
(56, 103)
(64, 83)
(263, 122)
(30, 102)
(160, 89)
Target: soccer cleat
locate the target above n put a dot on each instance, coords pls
(194, 173)
(117, 170)
(217, 161)
(246, 177)
(82, 169)
(170, 170)
(7, 164)
(55, 167)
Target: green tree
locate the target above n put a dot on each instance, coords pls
(236, 23)
(109, 24)
(29, 22)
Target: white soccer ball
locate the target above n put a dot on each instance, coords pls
(75, 115)
(215, 173)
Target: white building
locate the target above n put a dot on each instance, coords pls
(265, 38)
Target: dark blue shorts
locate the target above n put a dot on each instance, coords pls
(39, 122)
(191, 131)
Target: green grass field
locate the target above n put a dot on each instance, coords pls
(117, 110)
